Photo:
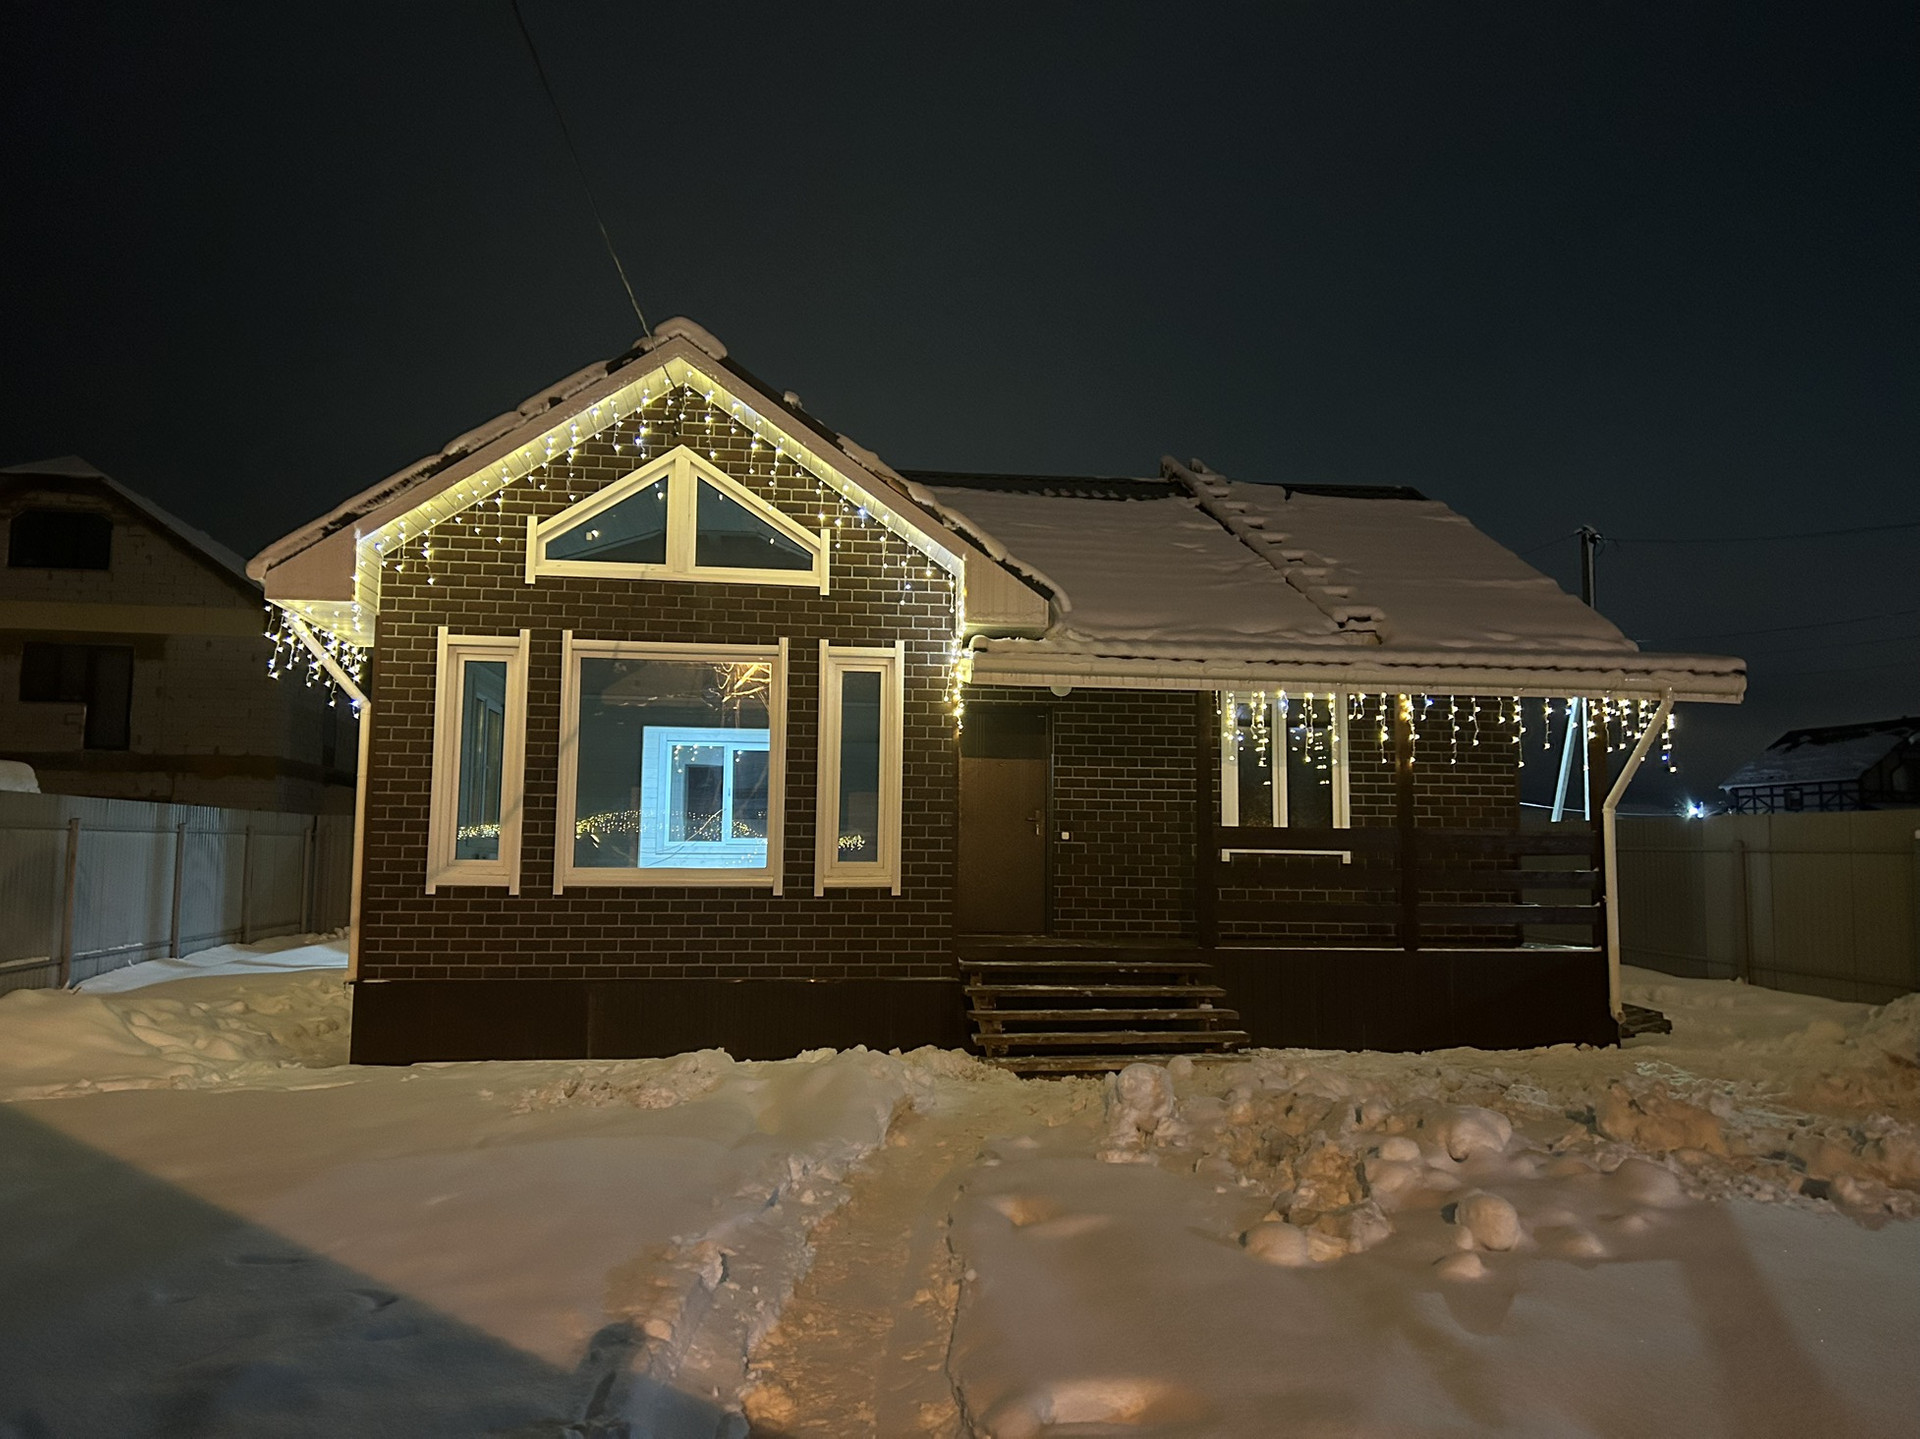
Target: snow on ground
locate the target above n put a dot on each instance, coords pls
(173, 1023)
(1687, 1236)
(270, 956)
(218, 1227)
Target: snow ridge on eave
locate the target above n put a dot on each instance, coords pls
(461, 447)
(1313, 575)
(979, 537)
(1719, 678)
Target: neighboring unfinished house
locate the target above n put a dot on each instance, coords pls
(133, 663)
(693, 723)
(1834, 767)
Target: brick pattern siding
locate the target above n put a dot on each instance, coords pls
(474, 582)
(1457, 785)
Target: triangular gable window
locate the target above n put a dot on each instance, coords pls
(677, 518)
(632, 531)
(728, 535)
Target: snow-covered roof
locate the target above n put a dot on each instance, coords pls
(73, 467)
(1195, 572)
(1836, 752)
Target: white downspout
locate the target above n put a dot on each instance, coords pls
(363, 708)
(1610, 846)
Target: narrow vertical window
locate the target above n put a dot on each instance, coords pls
(479, 754)
(857, 839)
(1283, 760)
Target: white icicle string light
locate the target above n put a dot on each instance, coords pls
(290, 655)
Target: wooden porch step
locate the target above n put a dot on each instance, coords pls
(1114, 1038)
(1085, 1063)
(1114, 1016)
(1100, 991)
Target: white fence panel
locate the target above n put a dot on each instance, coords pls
(235, 875)
(1823, 904)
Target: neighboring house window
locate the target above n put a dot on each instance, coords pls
(479, 761)
(857, 839)
(672, 764)
(59, 540)
(677, 518)
(1283, 760)
(97, 676)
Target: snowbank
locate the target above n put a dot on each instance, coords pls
(269, 956)
(1555, 1241)
(190, 1033)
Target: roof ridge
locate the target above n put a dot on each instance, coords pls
(1312, 574)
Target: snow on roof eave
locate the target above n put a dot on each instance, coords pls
(957, 521)
(1708, 679)
(429, 491)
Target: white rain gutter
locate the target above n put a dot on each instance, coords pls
(1610, 846)
(364, 709)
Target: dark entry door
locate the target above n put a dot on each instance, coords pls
(1002, 880)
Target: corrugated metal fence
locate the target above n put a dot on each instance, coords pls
(88, 885)
(1824, 904)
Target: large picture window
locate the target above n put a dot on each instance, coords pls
(857, 839)
(677, 518)
(671, 764)
(1283, 760)
(479, 759)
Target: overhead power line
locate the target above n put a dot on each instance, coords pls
(579, 168)
(1827, 645)
(1762, 539)
(1786, 629)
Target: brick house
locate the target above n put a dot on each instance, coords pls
(693, 722)
(133, 663)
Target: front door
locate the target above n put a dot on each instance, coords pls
(1002, 882)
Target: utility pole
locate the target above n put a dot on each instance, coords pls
(1589, 552)
(1577, 708)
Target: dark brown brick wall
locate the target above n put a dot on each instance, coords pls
(474, 582)
(1123, 789)
(1458, 784)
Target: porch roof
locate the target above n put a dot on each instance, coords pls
(1192, 580)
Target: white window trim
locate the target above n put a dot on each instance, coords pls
(1230, 765)
(452, 653)
(829, 870)
(684, 472)
(567, 875)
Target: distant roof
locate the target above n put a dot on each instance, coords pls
(73, 467)
(1193, 566)
(1827, 753)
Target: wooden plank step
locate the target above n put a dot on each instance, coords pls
(1104, 963)
(1090, 991)
(1088, 1063)
(1114, 1038)
(1034, 1016)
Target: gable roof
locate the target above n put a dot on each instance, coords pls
(1184, 580)
(1824, 754)
(1192, 575)
(328, 571)
(198, 541)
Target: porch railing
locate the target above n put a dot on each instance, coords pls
(1423, 887)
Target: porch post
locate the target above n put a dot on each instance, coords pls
(1403, 815)
(1610, 844)
(1206, 854)
(1595, 805)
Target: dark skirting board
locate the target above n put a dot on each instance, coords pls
(1402, 1001)
(407, 1021)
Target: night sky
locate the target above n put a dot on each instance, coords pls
(1650, 268)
